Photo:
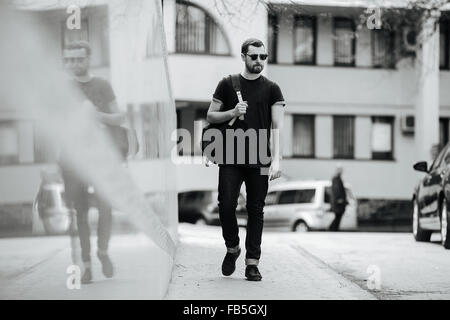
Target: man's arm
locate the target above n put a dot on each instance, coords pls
(116, 118)
(277, 138)
(214, 114)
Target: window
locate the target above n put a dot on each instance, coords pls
(306, 196)
(437, 161)
(446, 158)
(9, 143)
(96, 32)
(305, 40)
(344, 137)
(303, 138)
(271, 198)
(383, 48)
(72, 35)
(297, 196)
(443, 132)
(196, 32)
(444, 44)
(382, 138)
(273, 38)
(344, 42)
(287, 197)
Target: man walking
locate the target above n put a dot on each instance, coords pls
(98, 94)
(260, 111)
(338, 198)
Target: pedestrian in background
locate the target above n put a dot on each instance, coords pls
(338, 198)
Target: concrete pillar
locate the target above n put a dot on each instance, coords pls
(427, 101)
(363, 129)
(324, 136)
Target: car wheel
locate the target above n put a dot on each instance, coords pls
(444, 226)
(419, 234)
(300, 226)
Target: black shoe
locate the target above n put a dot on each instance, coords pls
(229, 263)
(252, 273)
(107, 266)
(87, 276)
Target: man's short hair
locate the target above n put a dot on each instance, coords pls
(251, 42)
(81, 44)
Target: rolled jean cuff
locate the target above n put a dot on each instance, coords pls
(234, 249)
(251, 262)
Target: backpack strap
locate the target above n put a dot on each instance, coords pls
(236, 83)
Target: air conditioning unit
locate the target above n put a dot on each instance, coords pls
(409, 39)
(408, 124)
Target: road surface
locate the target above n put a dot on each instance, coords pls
(317, 265)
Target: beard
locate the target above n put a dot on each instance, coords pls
(255, 69)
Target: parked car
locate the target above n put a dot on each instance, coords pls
(431, 199)
(50, 205)
(201, 207)
(305, 205)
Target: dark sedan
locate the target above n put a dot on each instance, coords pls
(200, 207)
(431, 199)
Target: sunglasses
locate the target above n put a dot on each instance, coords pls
(255, 56)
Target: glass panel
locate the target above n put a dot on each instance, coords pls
(196, 32)
(344, 44)
(287, 197)
(303, 139)
(135, 201)
(382, 128)
(271, 198)
(9, 143)
(72, 35)
(304, 40)
(382, 49)
(343, 129)
(273, 38)
(306, 196)
(443, 45)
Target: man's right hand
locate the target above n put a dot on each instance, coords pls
(240, 109)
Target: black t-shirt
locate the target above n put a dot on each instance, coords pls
(260, 94)
(99, 92)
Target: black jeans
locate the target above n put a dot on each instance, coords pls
(77, 197)
(230, 182)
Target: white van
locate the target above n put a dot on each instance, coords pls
(305, 205)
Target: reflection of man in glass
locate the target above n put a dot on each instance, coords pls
(98, 94)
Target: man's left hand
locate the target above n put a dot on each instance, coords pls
(275, 170)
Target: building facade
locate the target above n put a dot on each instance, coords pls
(349, 99)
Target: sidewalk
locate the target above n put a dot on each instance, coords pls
(288, 272)
(35, 268)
